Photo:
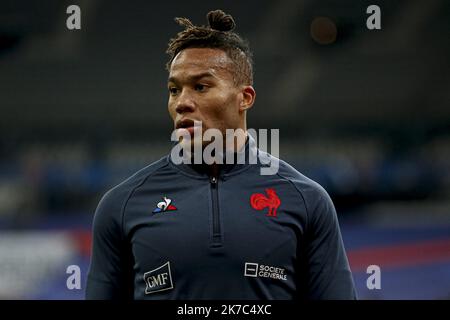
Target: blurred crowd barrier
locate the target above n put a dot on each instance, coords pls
(414, 260)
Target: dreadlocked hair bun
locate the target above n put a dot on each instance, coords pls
(219, 20)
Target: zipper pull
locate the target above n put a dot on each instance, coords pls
(213, 180)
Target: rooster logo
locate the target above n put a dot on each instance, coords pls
(260, 201)
(164, 205)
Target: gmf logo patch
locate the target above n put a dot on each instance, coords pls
(159, 279)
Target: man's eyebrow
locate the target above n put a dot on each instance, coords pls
(194, 77)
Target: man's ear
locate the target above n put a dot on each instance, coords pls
(248, 98)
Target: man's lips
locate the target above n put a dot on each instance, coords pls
(189, 129)
(185, 123)
(188, 124)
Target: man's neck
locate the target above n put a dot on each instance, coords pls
(213, 169)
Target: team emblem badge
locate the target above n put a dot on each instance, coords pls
(259, 201)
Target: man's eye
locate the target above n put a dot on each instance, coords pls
(173, 90)
(200, 87)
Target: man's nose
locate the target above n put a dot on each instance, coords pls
(185, 103)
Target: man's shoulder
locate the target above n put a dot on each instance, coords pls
(304, 185)
(123, 190)
(313, 194)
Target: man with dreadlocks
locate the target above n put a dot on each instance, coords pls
(213, 230)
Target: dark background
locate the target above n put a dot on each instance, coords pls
(365, 113)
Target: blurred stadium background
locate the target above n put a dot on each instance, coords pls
(364, 113)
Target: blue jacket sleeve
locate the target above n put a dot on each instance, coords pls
(328, 273)
(109, 270)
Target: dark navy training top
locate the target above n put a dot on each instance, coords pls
(173, 232)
